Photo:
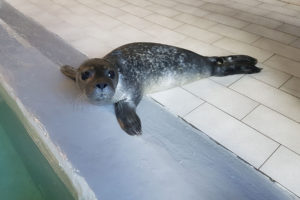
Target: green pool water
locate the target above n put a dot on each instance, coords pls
(24, 173)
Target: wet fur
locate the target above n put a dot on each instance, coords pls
(147, 67)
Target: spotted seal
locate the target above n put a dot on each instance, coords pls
(126, 73)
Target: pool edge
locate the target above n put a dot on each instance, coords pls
(76, 184)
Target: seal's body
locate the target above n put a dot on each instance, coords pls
(126, 73)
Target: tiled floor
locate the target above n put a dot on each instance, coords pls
(255, 116)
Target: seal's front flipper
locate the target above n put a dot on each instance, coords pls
(237, 64)
(127, 117)
(69, 71)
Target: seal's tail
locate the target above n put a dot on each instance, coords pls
(237, 64)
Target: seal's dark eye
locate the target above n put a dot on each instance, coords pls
(85, 75)
(111, 74)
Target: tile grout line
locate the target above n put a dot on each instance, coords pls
(193, 109)
(268, 106)
(286, 81)
(183, 3)
(87, 6)
(260, 37)
(269, 83)
(279, 69)
(228, 86)
(121, 22)
(240, 158)
(280, 44)
(259, 104)
(218, 143)
(291, 95)
(250, 44)
(194, 37)
(259, 168)
(245, 123)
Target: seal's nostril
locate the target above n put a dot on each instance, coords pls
(101, 85)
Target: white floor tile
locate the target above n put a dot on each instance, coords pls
(195, 3)
(279, 9)
(88, 47)
(67, 32)
(278, 48)
(65, 3)
(226, 80)
(275, 126)
(177, 100)
(292, 86)
(267, 95)
(271, 76)
(296, 2)
(131, 34)
(54, 9)
(243, 48)
(167, 3)
(164, 35)
(225, 99)
(194, 20)
(284, 64)
(248, 9)
(197, 33)
(284, 167)
(48, 19)
(162, 10)
(115, 3)
(163, 21)
(284, 18)
(296, 44)
(17, 3)
(256, 19)
(293, 6)
(109, 10)
(233, 134)
(135, 10)
(291, 29)
(30, 10)
(190, 10)
(249, 2)
(270, 33)
(80, 9)
(274, 2)
(104, 37)
(230, 21)
(141, 3)
(134, 21)
(202, 48)
(234, 33)
(215, 8)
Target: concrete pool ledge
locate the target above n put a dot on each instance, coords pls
(87, 148)
(56, 158)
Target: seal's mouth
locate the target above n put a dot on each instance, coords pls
(99, 98)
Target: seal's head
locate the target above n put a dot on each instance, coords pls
(96, 78)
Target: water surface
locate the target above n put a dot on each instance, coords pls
(24, 173)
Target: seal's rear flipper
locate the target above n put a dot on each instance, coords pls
(69, 71)
(127, 117)
(237, 64)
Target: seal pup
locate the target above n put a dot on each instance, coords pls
(126, 73)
